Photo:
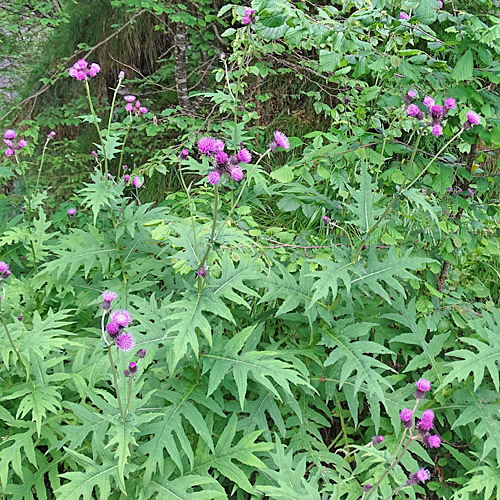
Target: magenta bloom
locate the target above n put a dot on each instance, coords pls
(143, 110)
(126, 178)
(326, 219)
(130, 98)
(125, 342)
(112, 328)
(52, 134)
(450, 103)
(281, 140)
(413, 110)
(71, 212)
(377, 440)
(136, 181)
(129, 108)
(423, 475)
(9, 134)
(406, 416)
(424, 385)
(428, 415)
(213, 177)
(221, 158)
(132, 368)
(412, 93)
(109, 296)
(22, 143)
(434, 441)
(184, 155)
(3, 266)
(404, 16)
(81, 64)
(206, 145)
(122, 317)
(94, 69)
(237, 173)
(93, 154)
(437, 130)
(80, 70)
(121, 75)
(9, 152)
(473, 118)
(428, 101)
(218, 146)
(246, 20)
(244, 155)
(436, 111)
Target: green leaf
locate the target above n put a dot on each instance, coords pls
(178, 489)
(487, 478)
(464, 67)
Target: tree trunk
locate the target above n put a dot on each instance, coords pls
(181, 82)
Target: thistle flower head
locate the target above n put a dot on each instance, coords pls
(377, 440)
(424, 385)
(129, 107)
(9, 134)
(437, 130)
(433, 441)
(423, 475)
(122, 317)
(404, 16)
(52, 134)
(141, 353)
(112, 328)
(237, 173)
(246, 20)
(326, 219)
(412, 93)
(22, 143)
(213, 177)
(406, 416)
(436, 111)
(428, 101)
(130, 98)
(81, 64)
(121, 75)
(81, 70)
(125, 342)
(281, 140)
(108, 296)
(136, 181)
(367, 487)
(4, 270)
(183, 155)
(132, 368)
(244, 155)
(221, 158)
(94, 69)
(143, 110)
(71, 212)
(206, 145)
(473, 118)
(93, 154)
(450, 103)
(413, 110)
(9, 152)
(202, 271)
(126, 178)
(218, 146)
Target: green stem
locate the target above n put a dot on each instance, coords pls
(115, 382)
(41, 165)
(96, 123)
(123, 147)
(214, 224)
(191, 210)
(129, 394)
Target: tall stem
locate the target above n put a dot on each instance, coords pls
(123, 147)
(41, 165)
(214, 224)
(96, 123)
(191, 210)
(129, 394)
(115, 381)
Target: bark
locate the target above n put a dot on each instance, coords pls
(181, 80)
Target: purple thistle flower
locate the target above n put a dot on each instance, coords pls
(136, 181)
(450, 103)
(121, 75)
(471, 191)
(81, 76)
(326, 219)
(377, 440)
(8, 143)
(125, 342)
(184, 154)
(71, 212)
(72, 72)
(126, 178)
(412, 93)
(440, 4)
(281, 140)
(423, 475)
(406, 416)
(237, 173)
(473, 118)
(404, 16)
(433, 441)
(221, 158)
(213, 177)
(428, 415)
(437, 130)
(93, 154)
(206, 145)
(22, 143)
(246, 20)
(130, 98)
(129, 108)
(9, 134)
(20, 318)
(367, 487)
(141, 353)
(112, 328)
(423, 385)
(436, 111)
(108, 296)
(4, 269)
(52, 134)
(244, 155)
(132, 368)
(413, 110)
(428, 101)
(122, 317)
(137, 104)
(9, 152)
(202, 271)
(218, 146)
(143, 110)
(81, 64)
(94, 69)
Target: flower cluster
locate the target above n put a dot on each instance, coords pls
(71, 212)
(249, 17)
(280, 141)
(4, 270)
(136, 181)
(81, 70)
(119, 320)
(436, 113)
(222, 163)
(9, 135)
(134, 106)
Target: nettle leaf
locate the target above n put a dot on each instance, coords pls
(431, 350)
(487, 357)
(486, 477)
(358, 357)
(11, 454)
(264, 367)
(168, 432)
(81, 248)
(290, 479)
(134, 217)
(389, 272)
(365, 208)
(226, 453)
(83, 484)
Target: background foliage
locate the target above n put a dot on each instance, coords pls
(266, 378)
